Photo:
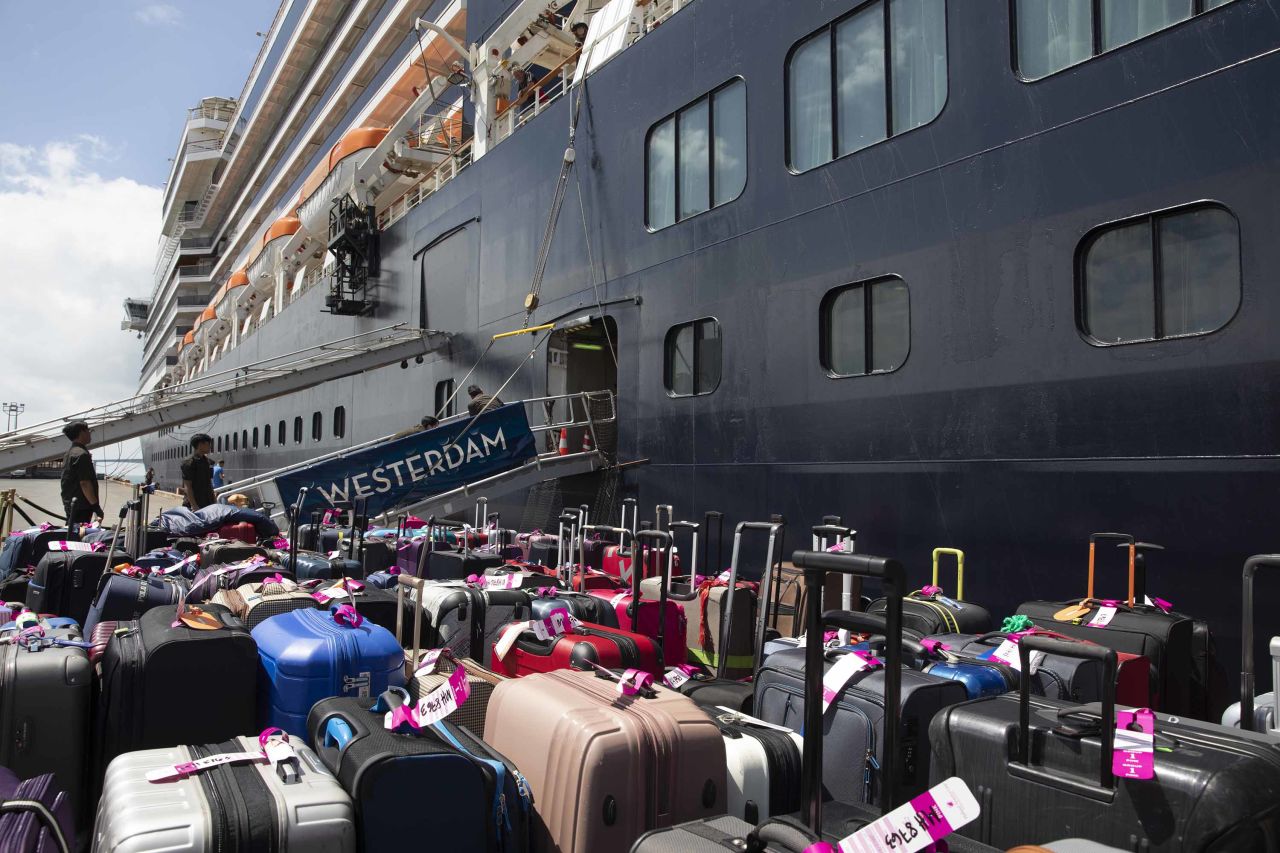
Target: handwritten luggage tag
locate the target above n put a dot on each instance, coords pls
(912, 827)
(1007, 654)
(63, 545)
(1133, 756)
(841, 671)
(1106, 612)
(273, 748)
(678, 675)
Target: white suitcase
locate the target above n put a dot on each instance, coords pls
(1266, 707)
(311, 811)
(763, 765)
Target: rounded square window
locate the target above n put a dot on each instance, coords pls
(1171, 274)
(865, 327)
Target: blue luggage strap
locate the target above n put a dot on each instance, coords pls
(501, 816)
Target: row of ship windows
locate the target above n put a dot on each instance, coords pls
(248, 439)
(1168, 274)
(876, 72)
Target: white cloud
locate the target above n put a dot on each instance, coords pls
(74, 244)
(159, 15)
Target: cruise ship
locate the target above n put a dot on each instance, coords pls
(986, 274)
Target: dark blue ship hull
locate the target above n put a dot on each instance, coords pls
(1005, 432)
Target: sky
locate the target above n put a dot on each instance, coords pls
(93, 96)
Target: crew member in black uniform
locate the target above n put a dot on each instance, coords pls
(197, 474)
(79, 480)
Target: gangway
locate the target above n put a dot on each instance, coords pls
(213, 393)
(579, 414)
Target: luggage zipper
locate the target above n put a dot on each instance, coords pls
(624, 643)
(221, 820)
(501, 814)
(872, 765)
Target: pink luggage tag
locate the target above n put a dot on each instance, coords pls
(274, 747)
(343, 588)
(559, 622)
(64, 545)
(1133, 756)
(1106, 612)
(508, 580)
(1159, 603)
(347, 616)
(280, 544)
(677, 675)
(434, 706)
(919, 824)
(192, 560)
(841, 671)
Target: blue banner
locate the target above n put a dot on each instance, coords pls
(407, 470)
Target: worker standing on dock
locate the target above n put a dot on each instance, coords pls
(197, 473)
(79, 480)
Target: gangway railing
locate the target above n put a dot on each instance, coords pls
(213, 393)
(581, 413)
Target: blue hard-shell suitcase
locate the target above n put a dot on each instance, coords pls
(121, 598)
(471, 798)
(308, 655)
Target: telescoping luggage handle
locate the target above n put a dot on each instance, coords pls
(775, 530)
(1094, 538)
(816, 564)
(1247, 680)
(959, 555)
(669, 577)
(832, 535)
(1070, 649)
(661, 540)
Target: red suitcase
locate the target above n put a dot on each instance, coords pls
(242, 532)
(578, 648)
(662, 620)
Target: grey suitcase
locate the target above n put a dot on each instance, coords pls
(232, 807)
(463, 619)
(44, 710)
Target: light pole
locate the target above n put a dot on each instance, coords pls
(11, 412)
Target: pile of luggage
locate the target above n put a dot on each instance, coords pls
(603, 688)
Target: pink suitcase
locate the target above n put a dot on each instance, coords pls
(620, 765)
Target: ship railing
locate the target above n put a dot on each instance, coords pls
(430, 183)
(535, 98)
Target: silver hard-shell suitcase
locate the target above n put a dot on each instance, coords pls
(312, 812)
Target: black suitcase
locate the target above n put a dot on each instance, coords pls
(1043, 769)
(466, 620)
(581, 605)
(443, 784)
(25, 548)
(219, 552)
(45, 693)
(459, 565)
(1167, 639)
(819, 821)
(377, 555)
(930, 611)
(65, 582)
(160, 686)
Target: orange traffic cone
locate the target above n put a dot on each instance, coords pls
(586, 441)
(564, 442)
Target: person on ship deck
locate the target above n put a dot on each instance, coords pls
(481, 401)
